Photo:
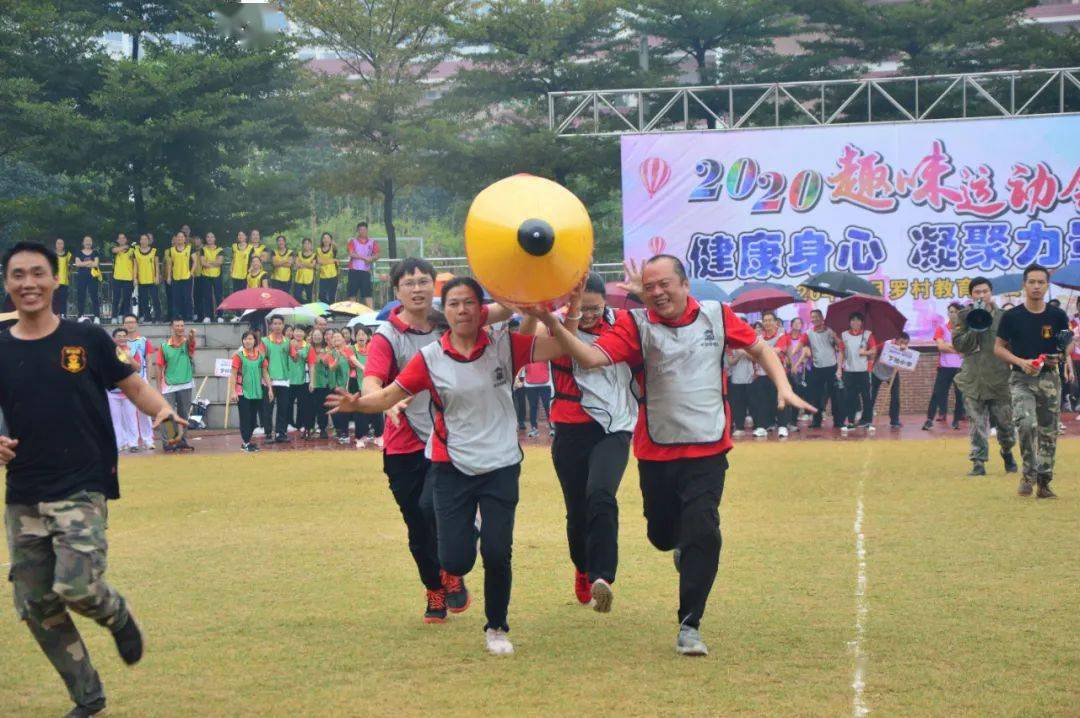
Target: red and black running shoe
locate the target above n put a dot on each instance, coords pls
(582, 587)
(436, 607)
(457, 596)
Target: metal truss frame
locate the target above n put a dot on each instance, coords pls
(925, 98)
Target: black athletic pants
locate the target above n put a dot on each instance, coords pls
(318, 406)
(303, 293)
(939, 397)
(299, 408)
(250, 412)
(682, 510)
(739, 401)
(457, 497)
(410, 482)
(86, 287)
(181, 307)
(60, 300)
(538, 396)
(212, 296)
(822, 386)
(763, 404)
(149, 303)
(121, 299)
(857, 396)
(277, 412)
(519, 406)
(894, 396)
(327, 290)
(590, 465)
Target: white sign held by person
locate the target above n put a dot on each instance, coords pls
(894, 356)
(222, 368)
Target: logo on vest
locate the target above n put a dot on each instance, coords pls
(499, 376)
(708, 339)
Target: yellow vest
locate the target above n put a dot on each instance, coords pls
(180, 261)
(211, 254)
(305, 269)
(124, 265)
(328, 270)
(63, 272)
(147, 264)
(240, 260)
(283, 273)
(255, 280)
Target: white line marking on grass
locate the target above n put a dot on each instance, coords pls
(858, 682)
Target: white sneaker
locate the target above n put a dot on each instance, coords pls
(498, 642)
(845, 429)
(361, 443)
(993, 430)
(1078, 417)
(291, 429)
(379, 442)
(782, 432)
(870, 429)
(760, 431)
(258, 431)
(206, 320)
(235, 320)
(738, 432)
(602, 596)
(221, 320)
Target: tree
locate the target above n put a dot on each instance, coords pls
(377, 117)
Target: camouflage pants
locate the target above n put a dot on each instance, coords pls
(981, 414)
(58, 558)
(1036, 407)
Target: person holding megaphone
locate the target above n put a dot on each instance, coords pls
(984, 379)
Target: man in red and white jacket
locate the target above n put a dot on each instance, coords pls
(682, 434)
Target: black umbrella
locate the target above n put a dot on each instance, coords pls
(840, 284)
(751, 286)
(1008, 283)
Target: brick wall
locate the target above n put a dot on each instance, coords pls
(915, 386)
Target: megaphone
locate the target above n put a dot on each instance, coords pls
(528, 240)
(978, 319)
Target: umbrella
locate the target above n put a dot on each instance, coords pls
(1008, 283)
(751, 286)
(257, 298)
(883, 319)
(366, 321)
(384, 313)
(299, 315)
(619, 298)
(840, 284)
(759, 300)
(353, 308)
(1068, 276)
(319, 309)
(704, 289)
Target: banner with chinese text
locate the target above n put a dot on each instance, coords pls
(918, 209)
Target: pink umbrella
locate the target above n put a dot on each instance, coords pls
(759, 300)
(257, 298)
(879, 316)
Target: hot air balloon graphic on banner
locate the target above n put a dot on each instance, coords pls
(657, 244)
(655, 173)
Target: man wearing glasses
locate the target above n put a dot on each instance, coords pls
(409, 329)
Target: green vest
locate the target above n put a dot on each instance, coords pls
(339, 376)
(278, 356)
(323, 374)
(297, 368)
(251, 375)
(178, 367)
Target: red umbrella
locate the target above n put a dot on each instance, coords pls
(879, 316)
(257, 298)
(759, 300)
(619, 298)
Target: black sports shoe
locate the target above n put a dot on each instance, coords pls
(928, 425)
(1010, 462)
(86, 711)
(323, 434)
(457, 596)
(129, 641)
(436, 607)
(281, 439)
(977, 469)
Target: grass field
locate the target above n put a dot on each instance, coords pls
(280, 584)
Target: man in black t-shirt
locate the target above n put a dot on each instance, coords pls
(1028, 339)
(61, 462)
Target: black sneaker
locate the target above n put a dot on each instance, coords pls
(977, 469)
(129, 641)
(895, 425)
(86, 711)
(457, 596)
(281, 439)
(928, 425)
(1010, 462)
(436, 607)
(323, 434)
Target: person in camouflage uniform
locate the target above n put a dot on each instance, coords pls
(1029, 340)
(984, 381)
